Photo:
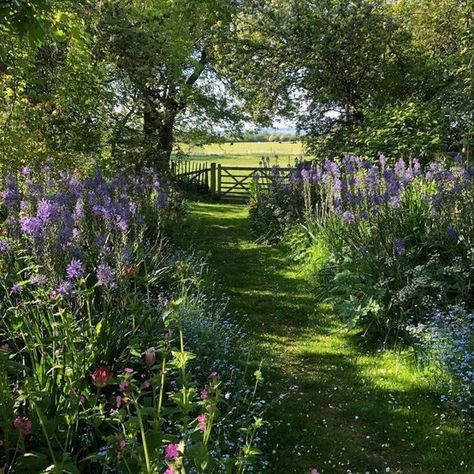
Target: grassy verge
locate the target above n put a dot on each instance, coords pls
(335, 407)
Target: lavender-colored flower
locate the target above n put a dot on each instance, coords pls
(348, 216)
(382, 159)
(38, 279)
(162, 199)
(45, 211)
(75, 269)
(305, 175)
(11, 195)
(16, 289)
(64, 289)
(132, 207)
(121, 224)
(458, 158)
(400, 167)
(79, 209)
(4, 246)
(395, 201)
(399, 247)
(26, 171)
(106, 276)
(31, 226)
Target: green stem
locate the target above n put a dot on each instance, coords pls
(142, 431)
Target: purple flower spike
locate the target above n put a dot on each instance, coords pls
(38, 279)
(105, 276)
(347, 216)
(16, 289)
(399, 247)
(75, 269)
(64, 289)
(31, 226)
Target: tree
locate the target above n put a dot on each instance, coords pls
(354, 65)
(50, 84)
(165, 68)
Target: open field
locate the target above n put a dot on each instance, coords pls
(245, 153)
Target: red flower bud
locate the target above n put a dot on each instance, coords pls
(101, 376)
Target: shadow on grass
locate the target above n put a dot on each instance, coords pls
(334, 406)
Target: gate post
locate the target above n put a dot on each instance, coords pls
(213, 179)
(219, 179)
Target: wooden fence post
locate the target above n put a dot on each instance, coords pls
(213, 179)
(219, 179)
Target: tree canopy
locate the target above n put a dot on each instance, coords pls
(126, 81)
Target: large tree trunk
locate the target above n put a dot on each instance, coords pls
(158, 137)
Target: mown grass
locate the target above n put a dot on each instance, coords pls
(245, 153)
(333, 405)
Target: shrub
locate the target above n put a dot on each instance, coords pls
(97, 304)
(399, 237)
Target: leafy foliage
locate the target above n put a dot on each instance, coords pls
(96, 306)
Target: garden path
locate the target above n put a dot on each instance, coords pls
(342, 409)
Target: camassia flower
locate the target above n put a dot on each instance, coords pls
(101, 376)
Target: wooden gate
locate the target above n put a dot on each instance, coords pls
(224, 182)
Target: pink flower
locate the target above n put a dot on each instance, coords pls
(314, 471)
(5, 347)
(128, 370)
(150, 356)
(122, 443)
(202, 422)
(204, 394)
(23, 424)
(118, 401)
(101, 376)
(124, 385)
(172, 451)
(147, 384)
(170, 470)
(214, 375)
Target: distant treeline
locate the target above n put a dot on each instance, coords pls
(263, 137)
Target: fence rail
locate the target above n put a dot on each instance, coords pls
(225, 182)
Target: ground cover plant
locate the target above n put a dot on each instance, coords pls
(105, 364)
(392, 243)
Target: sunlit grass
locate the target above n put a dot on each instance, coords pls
(335, 406)
(245, 153)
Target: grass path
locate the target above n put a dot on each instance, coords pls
(334, 406)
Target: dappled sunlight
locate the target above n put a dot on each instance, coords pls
(334, 402)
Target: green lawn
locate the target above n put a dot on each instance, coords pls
(333, 406)
(246, 153)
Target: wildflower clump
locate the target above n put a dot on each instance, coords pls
(97, 307)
